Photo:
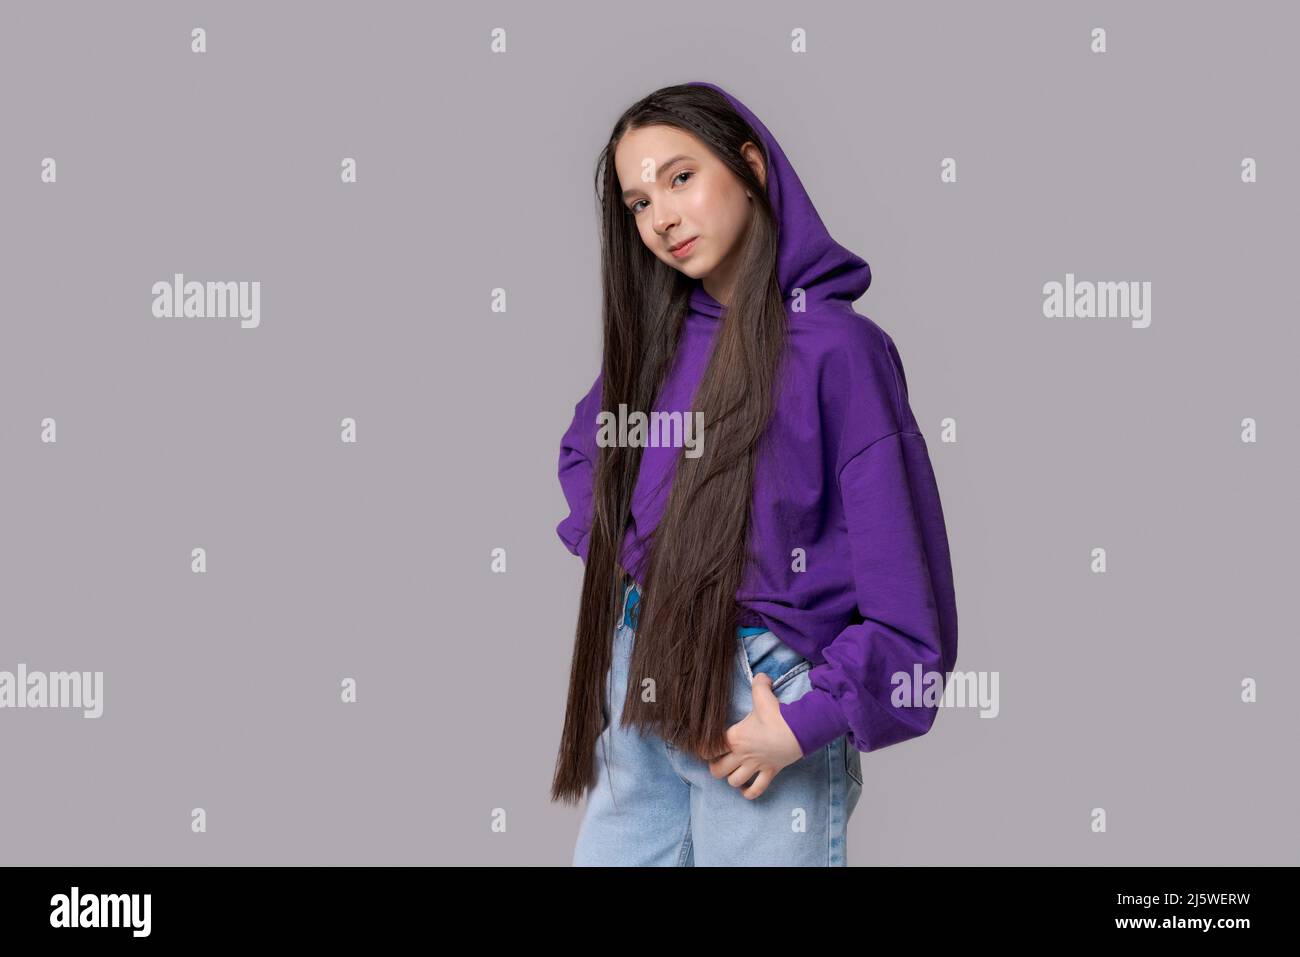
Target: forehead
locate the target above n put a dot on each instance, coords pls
(657, 143)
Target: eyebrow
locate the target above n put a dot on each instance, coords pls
(627, 193)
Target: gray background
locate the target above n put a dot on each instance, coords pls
(475, 171)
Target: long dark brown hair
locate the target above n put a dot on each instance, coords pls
(686, 627)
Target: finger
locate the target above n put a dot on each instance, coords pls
(762, 692)
(723, 765)
(727, 750)
(759, 785)
(740, 777)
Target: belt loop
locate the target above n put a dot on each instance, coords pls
(625, 586)
(629, 609)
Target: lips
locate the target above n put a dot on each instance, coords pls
(684, 247)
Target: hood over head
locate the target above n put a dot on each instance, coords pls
(807, 257)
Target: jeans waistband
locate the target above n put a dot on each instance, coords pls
(632, 597)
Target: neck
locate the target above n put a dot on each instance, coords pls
(716, 289)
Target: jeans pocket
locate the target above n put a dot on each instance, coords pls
(765, 653)
(852, 761)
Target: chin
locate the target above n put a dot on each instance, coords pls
(693, 269)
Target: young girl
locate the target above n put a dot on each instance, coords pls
(748, 597)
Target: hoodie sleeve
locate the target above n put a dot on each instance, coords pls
(577, 469)
(902, 576)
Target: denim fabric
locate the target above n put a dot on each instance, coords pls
(654, 804)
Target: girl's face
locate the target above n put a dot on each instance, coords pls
(679, 194)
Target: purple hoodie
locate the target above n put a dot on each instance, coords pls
(844, 476)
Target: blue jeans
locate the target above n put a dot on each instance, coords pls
(656, 805)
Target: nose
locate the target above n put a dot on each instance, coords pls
(665, 218)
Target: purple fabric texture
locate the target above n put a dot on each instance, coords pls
(851, 565)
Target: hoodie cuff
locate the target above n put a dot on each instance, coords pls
(815, 719)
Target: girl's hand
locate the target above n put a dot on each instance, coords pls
(761, 744)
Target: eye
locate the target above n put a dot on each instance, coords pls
(633, 208)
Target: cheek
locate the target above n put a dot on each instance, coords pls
(648, 236)
(706, 210)
(718, 215)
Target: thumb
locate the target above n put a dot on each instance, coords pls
(761, 687)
